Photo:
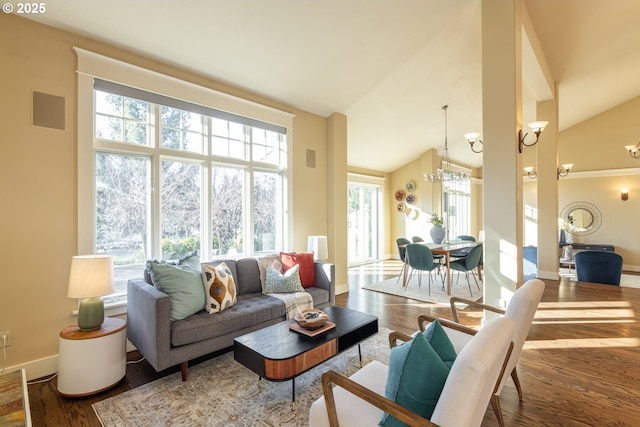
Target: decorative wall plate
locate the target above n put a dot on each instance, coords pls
(411, 186)
(411, 199)
(401, 207)
(400, 195)
(412, 213)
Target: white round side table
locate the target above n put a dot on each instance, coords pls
(91, 362)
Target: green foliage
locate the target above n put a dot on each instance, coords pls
(174, 249)
(436, 219)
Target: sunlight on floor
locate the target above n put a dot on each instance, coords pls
(582, 343)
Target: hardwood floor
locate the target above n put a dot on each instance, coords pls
(580, 366)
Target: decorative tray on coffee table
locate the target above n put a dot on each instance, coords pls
(311, 322)
(312, 332)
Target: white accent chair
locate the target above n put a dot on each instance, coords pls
(359, 400)
(521, 309)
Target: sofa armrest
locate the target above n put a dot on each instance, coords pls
(326, 279)
(148, 323)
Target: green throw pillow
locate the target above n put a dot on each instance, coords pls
(182, 281)
(416, 378)
(440, 342)
(283, 283)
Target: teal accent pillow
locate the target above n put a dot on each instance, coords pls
(283, 283)
(182, 281)
(440, 342)
(416, 378)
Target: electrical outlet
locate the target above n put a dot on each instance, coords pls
(5, 342)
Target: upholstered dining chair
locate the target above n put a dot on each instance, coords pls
(521, 309)
(468, 264)
(360, 400)
(598, 267)
(438, 257)
(402, 243)
(420, 258)
(466, 238)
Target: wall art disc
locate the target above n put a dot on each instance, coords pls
(400, 195)
(401, 207)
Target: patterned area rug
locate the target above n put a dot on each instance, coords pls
(459, 288)
(222, 392)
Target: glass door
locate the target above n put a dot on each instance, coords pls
(363, 223)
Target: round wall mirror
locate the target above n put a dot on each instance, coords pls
(582, 218)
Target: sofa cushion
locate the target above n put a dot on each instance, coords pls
(248, 276)
(219, 287)
(182, 281)
(306, 263)
(250, 310)
(416, 377)
(283, 283)
(320, 296)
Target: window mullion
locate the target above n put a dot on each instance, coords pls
(156, 207)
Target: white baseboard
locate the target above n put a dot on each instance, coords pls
(549, 275)
(342, 289)
(37, 368)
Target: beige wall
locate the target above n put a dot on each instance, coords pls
(602, 168)
(38, 224)
(428, 199)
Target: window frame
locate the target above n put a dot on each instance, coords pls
(92, 66)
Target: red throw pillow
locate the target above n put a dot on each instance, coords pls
(307, 269)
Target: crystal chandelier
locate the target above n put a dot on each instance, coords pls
(445, 173)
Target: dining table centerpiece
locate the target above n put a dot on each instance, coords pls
(437, 232)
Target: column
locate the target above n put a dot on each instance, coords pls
(502, 170)
(337, 197)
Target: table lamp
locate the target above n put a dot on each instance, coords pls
(318, 245)
(90, 278)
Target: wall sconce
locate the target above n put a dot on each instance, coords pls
(537, 128)
(472, 138)
(634, 150)
(564, 170)
(530, 170)
(624, 194)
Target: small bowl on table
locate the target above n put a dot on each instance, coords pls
(311, 319)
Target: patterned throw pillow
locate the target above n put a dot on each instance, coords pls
(272, 261)
(219, 287)
(283, 283)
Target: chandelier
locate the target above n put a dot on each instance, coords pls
(445, 173)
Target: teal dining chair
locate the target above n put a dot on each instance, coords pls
(402, 243)
(468, 264)
(420, 258)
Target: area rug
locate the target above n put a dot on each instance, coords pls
(222, 392)
(459, 288)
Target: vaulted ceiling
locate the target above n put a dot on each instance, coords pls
(389, 65)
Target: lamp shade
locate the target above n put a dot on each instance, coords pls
(318, 245)
(90, 276)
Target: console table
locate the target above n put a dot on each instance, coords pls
(590, 246)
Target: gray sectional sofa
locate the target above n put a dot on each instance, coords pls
(165, 343)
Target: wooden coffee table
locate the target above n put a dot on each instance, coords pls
(277, 353)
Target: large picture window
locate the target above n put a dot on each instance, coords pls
(171, 176)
